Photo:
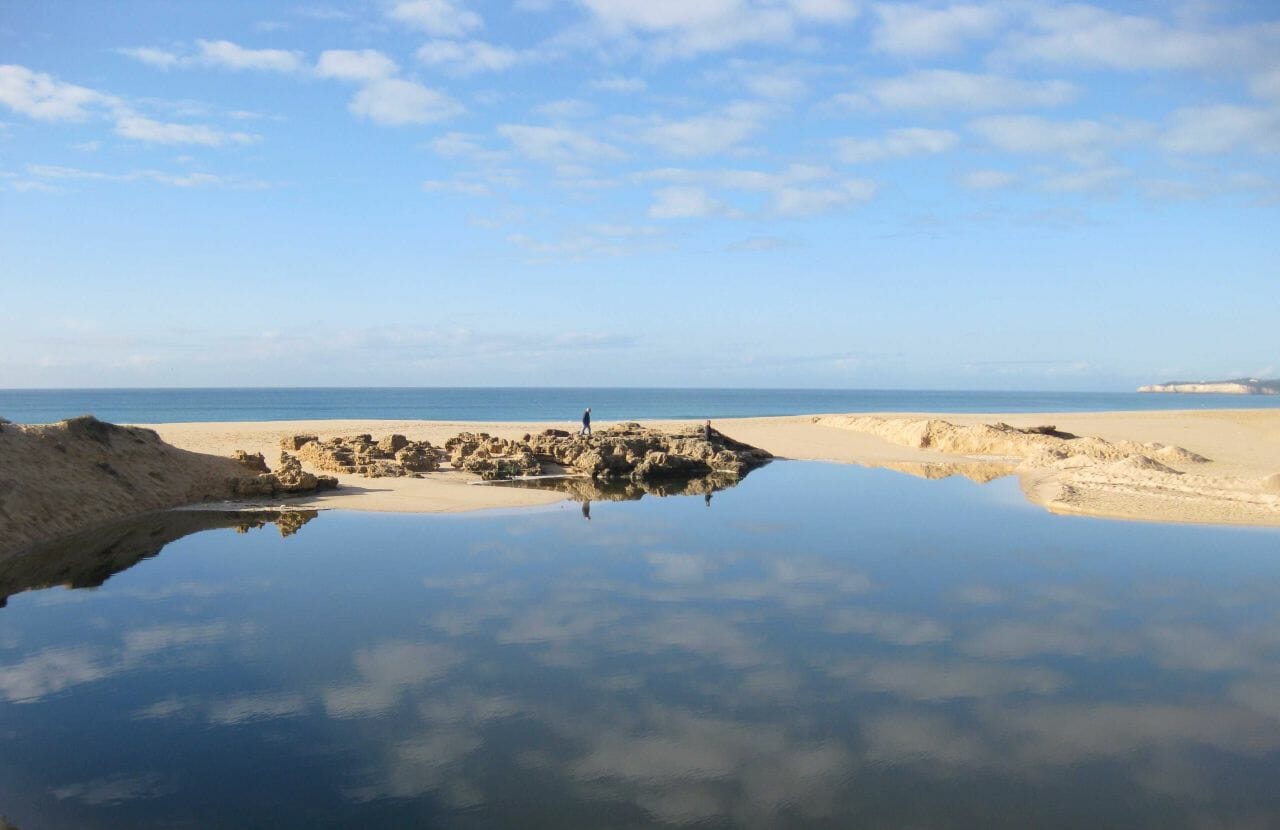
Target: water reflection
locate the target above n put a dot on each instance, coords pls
(810, 653)
(90, 558)
(583, 489)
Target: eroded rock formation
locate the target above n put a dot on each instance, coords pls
(393, 456)
(623, 452)
(288, 479)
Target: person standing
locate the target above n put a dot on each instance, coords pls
(706, 430)
(586, 422)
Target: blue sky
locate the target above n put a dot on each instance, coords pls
(674, 192)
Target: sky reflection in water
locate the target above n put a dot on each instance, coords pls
(820, 646)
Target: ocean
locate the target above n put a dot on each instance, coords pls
(143, 406)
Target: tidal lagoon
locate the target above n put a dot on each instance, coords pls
(801, 650)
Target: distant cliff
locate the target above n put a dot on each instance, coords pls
(1239, 386)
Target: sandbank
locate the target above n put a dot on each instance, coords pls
(1238, 483)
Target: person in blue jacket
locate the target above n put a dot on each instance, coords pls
(586, 422)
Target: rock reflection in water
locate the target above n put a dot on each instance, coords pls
(89, 558)
(586, 490)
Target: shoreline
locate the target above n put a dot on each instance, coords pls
(1238, 484)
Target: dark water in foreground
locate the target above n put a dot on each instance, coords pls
(151, 406)
(823, 646)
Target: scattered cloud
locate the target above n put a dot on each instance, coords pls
(45, 98)
(675, 29)
(443, 18)
(159, 58)
(468, 56)
(139, 128)
(228, 55)
(1082, 35)
(355, 65)
(394, 102)
(1081, 140)
(53, 172)
(988, 179)
(912, 30)
(463, 186)
(1087, 180)
(809, 201)
(900, 143)
(619, 83)
(798, 190)
(708, 134)
(948, 89)
(685, 203)
(1266, 84)
(1222, 129)
(557, 145)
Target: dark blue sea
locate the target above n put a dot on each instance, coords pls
(141, 406)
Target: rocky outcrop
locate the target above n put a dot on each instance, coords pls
(624, 452)
(394, 455)
(56, 479)
(256, 462)
(492, 458)
(288, 479)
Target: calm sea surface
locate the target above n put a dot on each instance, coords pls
(141, 406)
(820, 646)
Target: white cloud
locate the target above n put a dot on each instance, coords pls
(987, 179)
(912, 30)
(947, 89)
(679, 28)
(825, 10)
(908, 141)
(1087, 180)
(468, 146)
(443, 18)
(1081, 140)
(619, 83)
(396, 102)
(1221, 129)
(187, 179)
(355, 65)
(463, 186)
(1083, 35)
(809, 201)
(225, 54)
(684, 203)
(775, 85)
(1266, 84)
(707, 134)
(557, 145)
(565, 108)
(160, 58)
(468, 56)
(798, 190)
(45, 98)
(139, 128)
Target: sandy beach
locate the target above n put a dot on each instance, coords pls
(1229, 472)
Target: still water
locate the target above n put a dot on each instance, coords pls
(821, 646)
